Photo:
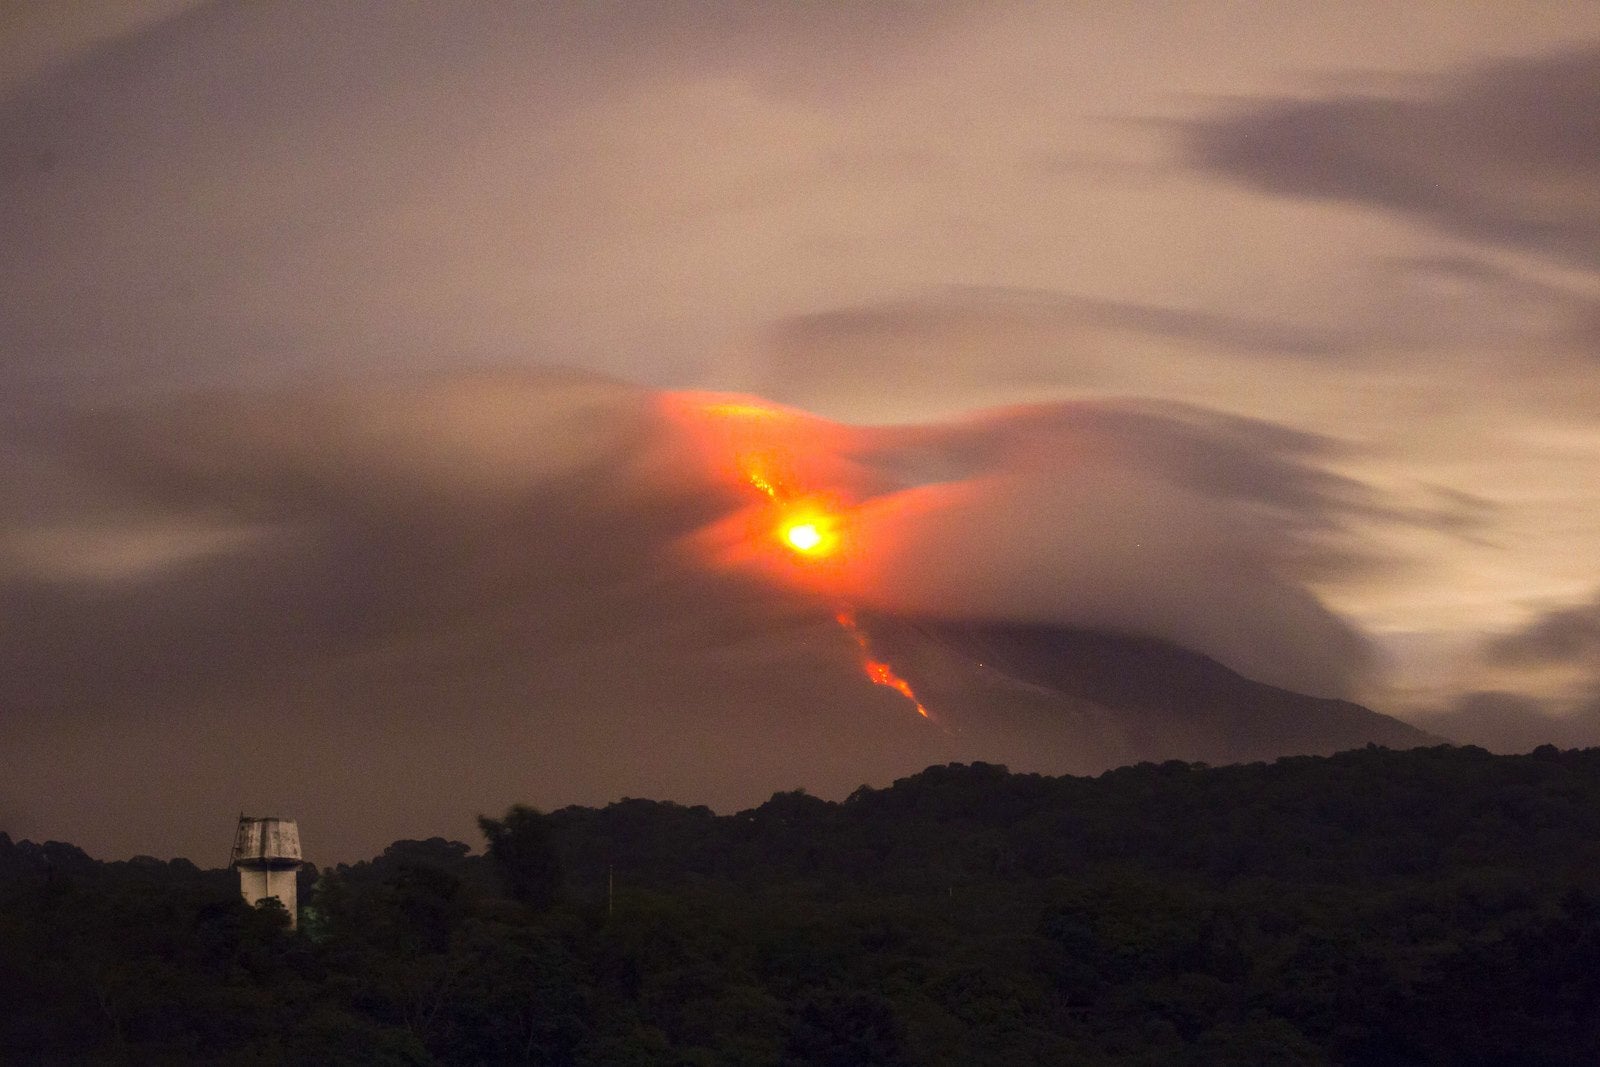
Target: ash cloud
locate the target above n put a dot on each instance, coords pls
(390, 607)
(1159, 519)
(453, 596)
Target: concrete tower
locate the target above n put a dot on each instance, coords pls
(267, 853)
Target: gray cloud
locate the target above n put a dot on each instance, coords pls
(1546, 675)
(261, 191)
(936, 316)
(1562, 636)
(967, 345)
(1507, 153)
(1438, 302)
(1157, 518)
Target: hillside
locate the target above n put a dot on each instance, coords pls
(1067, 700)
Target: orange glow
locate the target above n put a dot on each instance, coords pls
(880, 672)
(737, 409)
(793, 460)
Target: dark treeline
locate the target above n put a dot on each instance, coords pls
(1434, 906)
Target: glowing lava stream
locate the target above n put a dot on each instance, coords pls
(808, 525)
(879, 671)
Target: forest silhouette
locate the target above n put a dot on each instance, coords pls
(1440, 905)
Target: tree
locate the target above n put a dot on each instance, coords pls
(846, 1029)
(520, 849)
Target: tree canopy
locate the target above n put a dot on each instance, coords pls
(1434, 906)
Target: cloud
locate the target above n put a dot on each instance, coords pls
(500, 586)
(403, 186)
(237, 536)
(1153, 518)
(1562, 636)
(960, 347)
(457, 594)
(1536, 684)
(34, 38)
(1507, 153)
(994, 310)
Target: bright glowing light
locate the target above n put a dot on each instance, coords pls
(804, 536)
(771, 450)
(810, 530)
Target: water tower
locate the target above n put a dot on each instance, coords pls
(267, 853)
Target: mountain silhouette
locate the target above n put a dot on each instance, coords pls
(1069, 700)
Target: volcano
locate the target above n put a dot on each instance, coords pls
(1066, 700)
(1037, 697)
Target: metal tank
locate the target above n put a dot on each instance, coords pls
(267, 853)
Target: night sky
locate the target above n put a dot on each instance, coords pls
(371, 378)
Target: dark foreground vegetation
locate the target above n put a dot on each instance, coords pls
(1434, 906)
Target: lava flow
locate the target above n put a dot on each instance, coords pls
(879, 671)
(810, 524)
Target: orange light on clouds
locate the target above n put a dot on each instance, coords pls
(742, 410)
(806, 506)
